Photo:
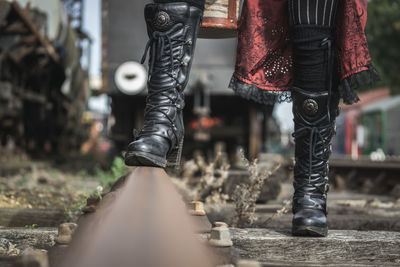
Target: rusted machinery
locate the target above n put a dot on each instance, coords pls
(42, 84)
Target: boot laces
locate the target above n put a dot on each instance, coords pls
(164, 59)
(317, 148)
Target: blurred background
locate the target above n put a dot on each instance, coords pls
(72, 87)
(72, 90)
(70, 81)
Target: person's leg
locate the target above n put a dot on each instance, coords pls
(172, 28)
(315, 107)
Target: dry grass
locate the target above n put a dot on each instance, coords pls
(203, 181)
(285, 209)
(246, 194)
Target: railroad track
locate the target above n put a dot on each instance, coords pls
(391, 164)
(362, 234)
(367, 176)
(363, 225)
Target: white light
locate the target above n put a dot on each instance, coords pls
(130, 78)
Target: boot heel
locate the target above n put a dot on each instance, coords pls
(174, 157)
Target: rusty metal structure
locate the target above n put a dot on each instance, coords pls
(42, 84)
(213, 114)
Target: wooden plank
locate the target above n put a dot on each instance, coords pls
(8, 261)
(21, 217)
(38, 238)
(364, 164)
(339, 218)
(319, 264)
(336, 222)
(347, 247)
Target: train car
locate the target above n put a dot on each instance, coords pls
(349, 130)
(43, 87)
(212, 114)
(381, 126)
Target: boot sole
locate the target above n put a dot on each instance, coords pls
(135, 158)
(310, 231)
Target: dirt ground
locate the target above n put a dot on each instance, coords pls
(43, 183)
(36, 195)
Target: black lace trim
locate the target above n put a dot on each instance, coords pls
(252, 92)
(347, 87)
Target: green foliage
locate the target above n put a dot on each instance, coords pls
(82, 173)
(22, 181)
(72, 213)
(118, 169)
(107, 178)
(97, 193)
(34, 225)
(383, 34)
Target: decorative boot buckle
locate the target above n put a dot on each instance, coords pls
(161, 20)
(310, 107)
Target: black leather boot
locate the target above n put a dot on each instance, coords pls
(313, 133)
(315, 107)
(172, 29)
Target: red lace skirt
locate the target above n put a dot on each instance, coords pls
(263, 70)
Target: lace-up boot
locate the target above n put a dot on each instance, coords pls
(313, 133)
(315, 107)
(172, 30)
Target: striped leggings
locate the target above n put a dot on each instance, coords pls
(314, 12)
(312, 36)
(317, 12)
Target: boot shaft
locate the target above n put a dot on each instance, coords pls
(315, 99)
(172, 29)
(315, 107)
(314, 130)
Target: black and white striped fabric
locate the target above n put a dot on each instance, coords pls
(314, 12)
(197, 3)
